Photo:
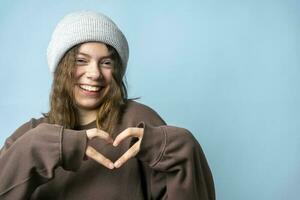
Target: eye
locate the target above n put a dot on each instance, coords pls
(80, 61)
(107, 63)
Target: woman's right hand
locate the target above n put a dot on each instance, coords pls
(93, 153)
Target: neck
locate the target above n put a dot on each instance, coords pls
(87, 116)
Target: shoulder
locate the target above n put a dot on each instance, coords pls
(32, 123)
(136, 112)
(137, 107)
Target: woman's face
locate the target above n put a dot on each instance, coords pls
(93, 72)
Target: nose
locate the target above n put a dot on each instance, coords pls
(93, 72)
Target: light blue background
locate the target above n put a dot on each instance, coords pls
(226, 70)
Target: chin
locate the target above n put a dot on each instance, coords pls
(88, 106)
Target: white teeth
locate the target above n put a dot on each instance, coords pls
(90, 88)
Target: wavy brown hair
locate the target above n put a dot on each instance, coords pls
(62, 102)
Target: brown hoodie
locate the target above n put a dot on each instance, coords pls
(46, 161)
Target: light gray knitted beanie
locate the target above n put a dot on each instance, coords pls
(85, 26)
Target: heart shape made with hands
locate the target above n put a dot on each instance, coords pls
(131, 132)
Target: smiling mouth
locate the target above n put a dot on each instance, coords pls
(90, 88)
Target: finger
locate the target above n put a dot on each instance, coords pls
(128, 154)
(98, 157)
(129, 132)
(94, 132)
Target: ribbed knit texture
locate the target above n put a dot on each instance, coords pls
(85, 26)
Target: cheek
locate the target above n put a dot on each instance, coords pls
(78, 72)
(107, 74)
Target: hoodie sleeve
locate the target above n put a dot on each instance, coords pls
(30, 159)
(178, 162)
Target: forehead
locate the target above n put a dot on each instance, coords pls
(93, 49)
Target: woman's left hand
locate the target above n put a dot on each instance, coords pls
(134, 149)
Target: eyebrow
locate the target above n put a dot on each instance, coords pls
(87, 55)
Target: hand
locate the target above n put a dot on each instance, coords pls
(93, 153)
(131, 152)
(134, 149)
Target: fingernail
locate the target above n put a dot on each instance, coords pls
(111, 166)
(117, 164)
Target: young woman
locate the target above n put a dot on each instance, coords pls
(95, 143)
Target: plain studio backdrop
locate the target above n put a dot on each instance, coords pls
(229, 71)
